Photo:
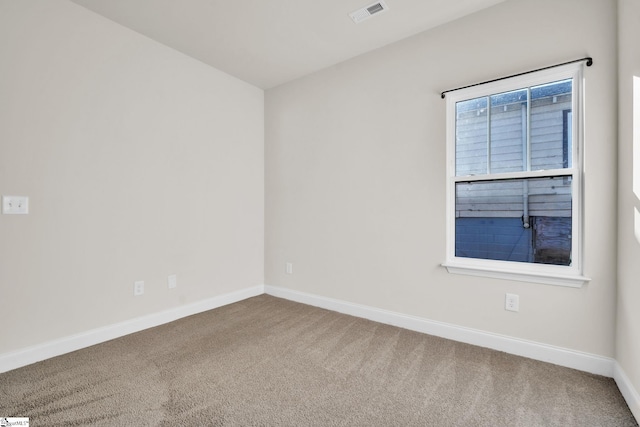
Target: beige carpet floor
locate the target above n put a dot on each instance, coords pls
(271, 362)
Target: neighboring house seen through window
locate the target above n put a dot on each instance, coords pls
(514, 178)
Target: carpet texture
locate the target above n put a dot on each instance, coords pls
(271, 362)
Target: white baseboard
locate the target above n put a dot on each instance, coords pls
(538, 351)
(557, 355)
(627, 389)
(29, 355)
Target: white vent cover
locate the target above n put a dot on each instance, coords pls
(368, 11)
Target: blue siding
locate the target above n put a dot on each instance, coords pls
(503, 239)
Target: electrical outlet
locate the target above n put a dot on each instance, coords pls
(512, 302)
(172, 281)
(138, 288)
(289, 268)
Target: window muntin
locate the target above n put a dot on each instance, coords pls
(514, 176)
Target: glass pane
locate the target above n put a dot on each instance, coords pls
(551, 125)
(509, 132)
(471, 137)
(525, 220)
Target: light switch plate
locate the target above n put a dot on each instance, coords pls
(15, 205)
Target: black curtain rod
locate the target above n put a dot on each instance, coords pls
(588, 59)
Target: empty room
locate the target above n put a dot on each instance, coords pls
(391, 213)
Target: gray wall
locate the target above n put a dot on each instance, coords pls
(628, 326)
(355, 175)
(139, 162)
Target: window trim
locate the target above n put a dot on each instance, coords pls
(571, 276)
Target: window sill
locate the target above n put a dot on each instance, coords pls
(573, 281)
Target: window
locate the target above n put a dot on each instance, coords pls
(514, 185)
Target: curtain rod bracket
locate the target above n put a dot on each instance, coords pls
(588, 59)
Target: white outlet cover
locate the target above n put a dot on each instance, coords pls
(512, 302)
(15, 205)
(138, 288)
(172, 281)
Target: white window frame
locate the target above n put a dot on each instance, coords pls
(512, 270)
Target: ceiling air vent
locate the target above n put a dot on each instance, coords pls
(368, 11)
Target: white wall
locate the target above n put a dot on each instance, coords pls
(355, 175)
(139, 162)
(628, 326)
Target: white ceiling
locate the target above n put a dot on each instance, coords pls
(270, 42)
